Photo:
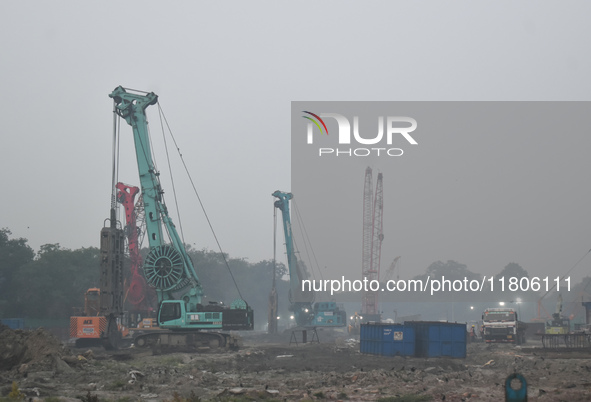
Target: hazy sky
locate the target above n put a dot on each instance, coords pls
(488, 183)
(226, 73)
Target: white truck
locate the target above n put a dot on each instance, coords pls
(502, 325)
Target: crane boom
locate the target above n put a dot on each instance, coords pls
(366, 248)
(167, 267)
(301, 302)
(372, 243)
(390, 272)
(376, 247)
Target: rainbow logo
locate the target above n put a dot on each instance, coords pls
(316, 122)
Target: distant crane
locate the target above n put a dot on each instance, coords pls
(373, 236)
(540, 306)
(390, 271)
(306, 313)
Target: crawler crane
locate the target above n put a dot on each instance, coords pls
(305, 311)
(168, 268)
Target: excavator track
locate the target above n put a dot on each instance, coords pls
(172, 341)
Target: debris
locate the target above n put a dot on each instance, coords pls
(74, 360)
(134, 374)
(37, 349)
(61, 366)
(258, 373)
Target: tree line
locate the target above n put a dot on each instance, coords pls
(51, 283)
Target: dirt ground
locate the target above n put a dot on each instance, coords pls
(269, 368)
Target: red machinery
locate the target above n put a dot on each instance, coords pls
(138, 294)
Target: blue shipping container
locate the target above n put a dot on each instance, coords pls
(434, 339)
(387, 340)
(13, 323)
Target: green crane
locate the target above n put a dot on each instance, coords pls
(168, 268)
(305, 311)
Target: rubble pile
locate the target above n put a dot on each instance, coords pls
(26, 350)
(279, 371)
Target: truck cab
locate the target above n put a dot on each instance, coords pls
(502, 325)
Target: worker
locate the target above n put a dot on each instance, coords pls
(472, 334)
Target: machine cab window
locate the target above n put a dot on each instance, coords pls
(169, 312)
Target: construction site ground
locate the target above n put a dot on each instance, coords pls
(268, 368)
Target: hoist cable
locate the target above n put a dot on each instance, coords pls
(118, 164)
(297, 250)
(563, 276)
(307, 238)
(588, 282)
(113, 161)
(201, 204)
(151, 148)
(156, 174)
(178, 213)
(274, 244)
(577, 263)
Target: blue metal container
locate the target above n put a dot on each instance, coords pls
(387, 340)
(13, 323)
(434, 339)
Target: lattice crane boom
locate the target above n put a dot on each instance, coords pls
(373, 209)
(390, 271)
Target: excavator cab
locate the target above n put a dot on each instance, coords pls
(91, 302)
(170, 314)
(174, 315)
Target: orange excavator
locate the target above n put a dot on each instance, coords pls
(87, 328)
